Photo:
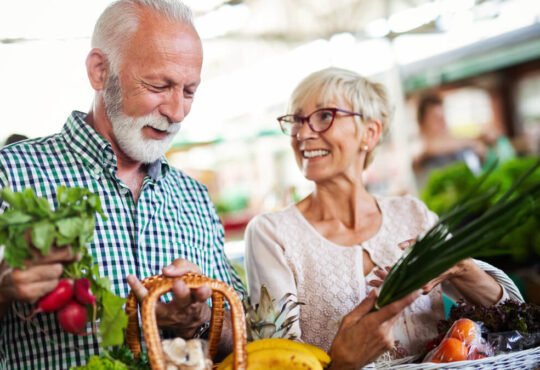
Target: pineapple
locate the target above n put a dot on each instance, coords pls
(266, 320)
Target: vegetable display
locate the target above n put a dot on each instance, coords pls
(447, 185)
(467, 230)
(30, 226)
(507, 316)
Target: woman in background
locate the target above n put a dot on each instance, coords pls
(327, 248)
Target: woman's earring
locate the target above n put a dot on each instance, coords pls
(366, 147)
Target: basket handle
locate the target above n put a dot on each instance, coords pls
(159, 285)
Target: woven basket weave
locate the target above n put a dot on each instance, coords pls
(159, 285)
(527, 359)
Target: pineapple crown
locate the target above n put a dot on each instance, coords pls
(268, 320)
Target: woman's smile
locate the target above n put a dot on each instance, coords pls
(315, 154)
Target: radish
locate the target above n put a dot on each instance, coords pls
(83, 294)
(73, 318)
(56, 299)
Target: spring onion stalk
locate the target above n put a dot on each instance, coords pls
(462, 232)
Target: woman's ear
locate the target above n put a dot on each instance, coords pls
(372, 134)
(97, 68)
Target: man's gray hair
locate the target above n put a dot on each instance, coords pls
(119, 21)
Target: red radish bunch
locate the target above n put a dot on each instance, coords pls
(69, 301)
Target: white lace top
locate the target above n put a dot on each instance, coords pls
(286, 253)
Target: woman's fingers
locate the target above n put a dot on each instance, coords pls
(362, 309)
(381, 273)
(406, 244)
(375, 283)
(392, 310)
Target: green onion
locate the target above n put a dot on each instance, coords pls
(462, 232)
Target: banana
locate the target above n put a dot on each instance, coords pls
(277, 344)
(284, 359)
(321, 355)
(278, 358)
(272, 343)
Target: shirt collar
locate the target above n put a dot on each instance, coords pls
(96, 151)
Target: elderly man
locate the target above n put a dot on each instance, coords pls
(145, 68)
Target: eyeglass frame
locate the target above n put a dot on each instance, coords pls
(305, 119)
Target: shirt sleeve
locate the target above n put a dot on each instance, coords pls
(266, 265)
(4, 182)
(223, 269)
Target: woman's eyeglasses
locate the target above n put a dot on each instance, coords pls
(318, 121)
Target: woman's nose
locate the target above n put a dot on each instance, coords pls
(305, 131)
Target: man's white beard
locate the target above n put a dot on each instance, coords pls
(128, 133)
(128, 130)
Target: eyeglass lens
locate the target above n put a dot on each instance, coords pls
(319, 121)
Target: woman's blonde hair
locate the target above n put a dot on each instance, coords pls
(364, 96)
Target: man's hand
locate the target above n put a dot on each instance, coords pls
(363, 336)
(40, 276)
(188, 309)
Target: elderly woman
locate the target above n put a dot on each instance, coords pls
(330, 245)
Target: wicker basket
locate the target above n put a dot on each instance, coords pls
(159, 285)
(527, 359)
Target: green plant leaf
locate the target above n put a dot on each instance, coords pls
(113, 320)
(69, 228)
(15, 216)
(43, 235)
(18, 252)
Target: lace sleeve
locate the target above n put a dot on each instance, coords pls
(266, 264)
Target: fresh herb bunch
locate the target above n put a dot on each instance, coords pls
(30, 223)
(467, 230)
(119, 358)
(507, 316)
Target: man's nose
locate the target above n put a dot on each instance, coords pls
(173, 108)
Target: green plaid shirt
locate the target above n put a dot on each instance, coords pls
(173, 218)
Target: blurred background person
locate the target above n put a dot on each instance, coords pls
(439, 147)
(13, 138)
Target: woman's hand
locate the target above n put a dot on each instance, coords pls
(363, 336)
(457, 271)
(188, 309)
(471, 282)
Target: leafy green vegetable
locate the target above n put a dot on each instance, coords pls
(467, 230)
(102, 363)
(446, 186)
(507, 316)
(30, 222)
(31, 216)
(119, 358)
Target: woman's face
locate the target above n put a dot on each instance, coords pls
(331, 154)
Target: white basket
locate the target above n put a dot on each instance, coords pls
(527, 359)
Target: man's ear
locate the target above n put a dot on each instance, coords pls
(372, 134)
(97, 68)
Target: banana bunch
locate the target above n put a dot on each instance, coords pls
(279, 353)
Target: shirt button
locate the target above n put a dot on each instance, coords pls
(124, 191)
(97, 172)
